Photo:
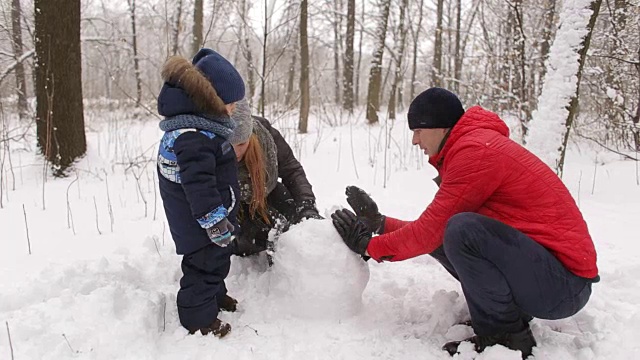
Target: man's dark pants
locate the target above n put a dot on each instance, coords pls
(202, 285)
(506, 277)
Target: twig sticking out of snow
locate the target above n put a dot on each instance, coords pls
(69, 344)
(256, 331)
(595, 172)
(109, 207)
(9, 336)
(26, 227)
(579, 184)
(155, 242)
(95, 206)
(70, 224)
(164, 313)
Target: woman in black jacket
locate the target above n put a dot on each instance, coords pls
(264, 156)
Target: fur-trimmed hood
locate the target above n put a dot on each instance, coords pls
(179, 73)
(200, 87)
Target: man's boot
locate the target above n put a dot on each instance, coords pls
(218, 328)
(521, 341)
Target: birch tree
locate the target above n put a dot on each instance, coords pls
(375, 73)
(558, 103)
(21, 83)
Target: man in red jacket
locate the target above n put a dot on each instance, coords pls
(502, 223)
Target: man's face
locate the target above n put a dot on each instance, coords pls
(428, 140)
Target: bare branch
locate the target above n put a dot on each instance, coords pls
(13, 65)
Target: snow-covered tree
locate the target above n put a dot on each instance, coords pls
(558, 103)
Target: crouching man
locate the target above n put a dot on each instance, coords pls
(502, 223)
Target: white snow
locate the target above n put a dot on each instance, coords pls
(547, 128)
(316, 275)
(110, 294)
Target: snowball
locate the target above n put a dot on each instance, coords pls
(315, 275)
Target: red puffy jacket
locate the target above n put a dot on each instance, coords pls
(485, 172)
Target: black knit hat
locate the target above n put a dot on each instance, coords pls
(434, 108)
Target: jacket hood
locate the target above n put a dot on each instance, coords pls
(187, 90)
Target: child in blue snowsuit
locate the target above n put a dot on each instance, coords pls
(198, 181)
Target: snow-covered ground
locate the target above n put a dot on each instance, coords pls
(102, 275)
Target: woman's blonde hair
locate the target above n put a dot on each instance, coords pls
(254, 159)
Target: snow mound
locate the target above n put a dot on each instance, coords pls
(315, 275)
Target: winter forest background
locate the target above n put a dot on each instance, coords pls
(332, 58)
(87, 262)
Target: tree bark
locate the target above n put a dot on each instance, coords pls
(375, 73)
(59, 110)
(337, 40)
(136, 60)
(21, 82)
(519, 84)
(304, 70)
(399, 54)
(547, 35)
(176, 30)
(198, 14)
(263, 73)
(457, 65)
(414, 65)
(348, 58)
(436, 74)
(358, 67)
(289, 97)
(246, 49)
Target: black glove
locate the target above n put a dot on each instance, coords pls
(307, 210)
(220, 233)
(366, 209)
(353, 231)
(251, 240)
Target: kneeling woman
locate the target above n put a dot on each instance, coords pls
(264, 156)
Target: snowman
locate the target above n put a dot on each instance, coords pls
(315, 275)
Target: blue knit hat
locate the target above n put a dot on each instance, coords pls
(221, 74)
(434, 108)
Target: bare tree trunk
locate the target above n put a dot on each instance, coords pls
(292, 75)
(573, 105)
(304, 70)
(337, 40)
(263, 74)
(399, 54)
(636, 119)
(358, 67)
(136, 60)
(348, 57)
(436, 74)
(21, 83)
(60, 121)
(416, 37)
(246, 49)
(519, 81)
(457, 66)
(547, 35)
(375, 74)
(449, 44)
(198, 14)
(621, 13)
(176, 29)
